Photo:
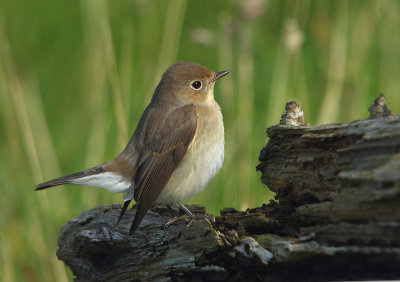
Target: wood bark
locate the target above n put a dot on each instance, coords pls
(336, 216)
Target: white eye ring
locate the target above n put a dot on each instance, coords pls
(196, 85)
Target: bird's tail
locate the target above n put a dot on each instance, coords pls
(71, 178)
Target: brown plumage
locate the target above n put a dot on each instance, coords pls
(177, 147)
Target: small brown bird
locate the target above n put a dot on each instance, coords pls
(176, 149)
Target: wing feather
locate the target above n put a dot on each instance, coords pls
(166, 144)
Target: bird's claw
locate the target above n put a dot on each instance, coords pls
(166, 225)
(176, 218)
(192, 219)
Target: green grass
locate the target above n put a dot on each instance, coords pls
(75, 76)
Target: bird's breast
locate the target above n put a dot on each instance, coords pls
(202, 160)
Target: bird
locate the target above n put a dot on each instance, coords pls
(176, 149)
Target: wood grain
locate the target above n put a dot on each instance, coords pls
(336, 216)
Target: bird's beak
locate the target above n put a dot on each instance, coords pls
(220, 74)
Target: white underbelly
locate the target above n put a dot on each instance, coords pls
(199, 166)
(193, 174)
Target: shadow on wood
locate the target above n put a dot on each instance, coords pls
(337, 216)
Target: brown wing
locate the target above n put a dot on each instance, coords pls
(165, 142)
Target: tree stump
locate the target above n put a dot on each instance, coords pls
(336, 216)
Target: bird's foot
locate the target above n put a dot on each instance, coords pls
(188, 213)
(193, 219)
(175, 218)
(190, 220)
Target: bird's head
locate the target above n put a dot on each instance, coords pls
(189, 82)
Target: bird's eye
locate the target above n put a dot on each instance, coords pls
(196, 85)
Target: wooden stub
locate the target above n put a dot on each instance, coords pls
(339, 181)
(337, 217)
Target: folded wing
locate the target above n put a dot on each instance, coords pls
(164, 145)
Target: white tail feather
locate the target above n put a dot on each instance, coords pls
(112, 182)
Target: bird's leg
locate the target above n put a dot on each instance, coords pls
(174, 215)
(186, 210)
(189, 213)
(175, 218)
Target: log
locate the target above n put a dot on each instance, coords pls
(336, 216)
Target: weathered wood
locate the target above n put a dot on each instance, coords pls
(336, 179)
(337, 216)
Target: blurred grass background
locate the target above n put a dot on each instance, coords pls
(75, 76)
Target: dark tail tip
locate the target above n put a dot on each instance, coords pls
(38, 187)
(49, 184)
(67, 179)
(42, 186)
